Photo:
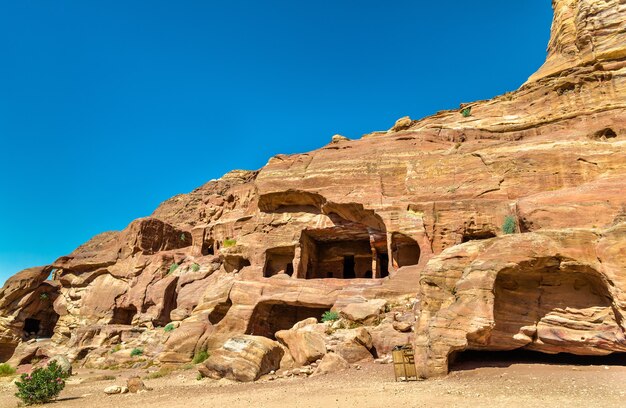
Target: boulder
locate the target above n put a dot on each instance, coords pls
(113, 389)
(135, 384)
(62, 362)
(332, 362)
(339, 138)
(304, 344)
(367, 312)
(402, 124)
(243, 358)
(354, 345)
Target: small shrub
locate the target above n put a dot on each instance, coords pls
(466, 112)
(116, 348)
(195, 267)
(42, 385)
(169, 327)
(136, 352)
(200, 356)
(173, 267)
(199, 377)
(229, 243)
(44, 296)
(330, 316)
(183, 237)
(509, 225)
(6, 370)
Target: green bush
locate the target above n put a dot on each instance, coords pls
(116, 348)
(169, 327)
(229, 242)
(466, 112)
(136, 352)
(42, 385)
(182, 237)
(509, 226)
(173, 267)
(200, 356)
(195, 267)
(44, 296)
(330, 316)
(6, 370)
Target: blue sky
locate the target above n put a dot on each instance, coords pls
(109, 108)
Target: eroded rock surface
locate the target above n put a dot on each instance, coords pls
(400, 224)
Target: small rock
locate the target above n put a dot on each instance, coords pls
(113, 389)
(135, 384)
(401, 124)
(339, 138)
(402, 327)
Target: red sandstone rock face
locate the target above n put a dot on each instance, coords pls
(418, 209)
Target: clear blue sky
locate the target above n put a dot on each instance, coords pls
(109, 108)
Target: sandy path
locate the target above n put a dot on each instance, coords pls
(519, 385)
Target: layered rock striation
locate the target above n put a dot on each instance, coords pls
(409, 219)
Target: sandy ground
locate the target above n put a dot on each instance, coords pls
(498, 385)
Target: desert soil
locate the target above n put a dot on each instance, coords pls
(499, 385)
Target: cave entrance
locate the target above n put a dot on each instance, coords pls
(555, 307)
(270, 317)
(42, 322)
(31, 326)
(279, 261)
(472, 359)
(405, 250)
(345, 251)
(124, 315)
(41, 325)
(208, 247)
(219, 312)
(235, 263)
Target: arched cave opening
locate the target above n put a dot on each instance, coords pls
(472, 359)
(219, 312)
(405, 250)
(603, 134)
(124, 315)
(345, 251)
(40, 318)
(548, 310)
(270, 317)
(279, 261)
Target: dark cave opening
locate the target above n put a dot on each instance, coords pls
(476, 236)
(472, 359)
(405, 250)
(345, 251)
(268, 318)
(279, 261)
(124, 315)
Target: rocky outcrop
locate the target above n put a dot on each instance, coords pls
(243, 358)
(550, 291)
(410, 222)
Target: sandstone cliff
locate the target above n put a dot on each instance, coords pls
(416, 212)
